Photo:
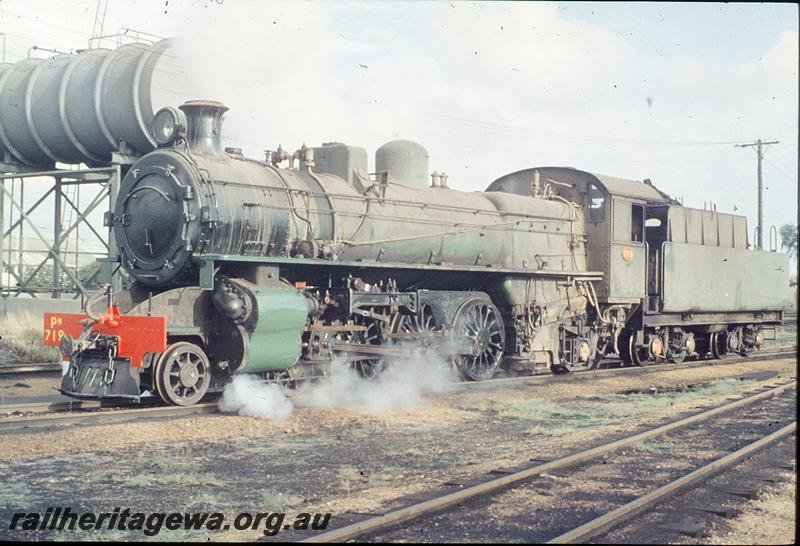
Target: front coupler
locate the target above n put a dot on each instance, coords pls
(92, 374)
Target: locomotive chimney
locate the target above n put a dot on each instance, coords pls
(204, 125)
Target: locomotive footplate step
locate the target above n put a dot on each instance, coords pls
(688, 529)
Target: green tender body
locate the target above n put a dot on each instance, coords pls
(275, 343)
(709, 278)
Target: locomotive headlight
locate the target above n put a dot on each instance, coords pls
(168, 124)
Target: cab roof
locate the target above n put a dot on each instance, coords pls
(519, 182)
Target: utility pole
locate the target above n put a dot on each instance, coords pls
(760, 157)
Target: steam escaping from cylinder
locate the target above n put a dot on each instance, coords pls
(401, 387)
(247, 395)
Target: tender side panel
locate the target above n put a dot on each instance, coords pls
(709, 278)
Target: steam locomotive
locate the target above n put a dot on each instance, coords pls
(280, 267)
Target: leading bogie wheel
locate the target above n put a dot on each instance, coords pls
(182, 374)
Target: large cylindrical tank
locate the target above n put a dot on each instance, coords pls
(405, 161)
(15, 132)
(3, 152)
(81, 108)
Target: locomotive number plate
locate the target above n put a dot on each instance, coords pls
(627, 254)
(53, 330)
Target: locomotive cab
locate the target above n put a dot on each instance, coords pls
(615, 210)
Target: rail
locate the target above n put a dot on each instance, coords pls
(437, 504)
(615, 517)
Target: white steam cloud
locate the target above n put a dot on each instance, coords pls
(247, 395)
(402, 386)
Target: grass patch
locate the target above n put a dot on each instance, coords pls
(387, 474)
(559, 419)
(205, 499)
(192, 478)
(175, 478)
(651, 447)
(22, 333)
(536, 409)
(139, 480)
(552, 431)
(169, 463)
(275, 501)
(348, 477)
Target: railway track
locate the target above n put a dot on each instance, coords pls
(29, 368)
(380, 526)
(645, 502)
(99, 412)
(102, 416)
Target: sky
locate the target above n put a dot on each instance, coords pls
(644, 90)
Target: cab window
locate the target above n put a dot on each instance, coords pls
(637, 223)
(597, 204)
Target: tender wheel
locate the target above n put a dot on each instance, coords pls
(751, 340)
(633, 355)
(719, 344)
(737, 342)
(677, 357)
(681, 345)
(635, 352)
(480, 334)
(702, 346)
(182, 374)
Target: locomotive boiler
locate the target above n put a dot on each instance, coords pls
(280, 267)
